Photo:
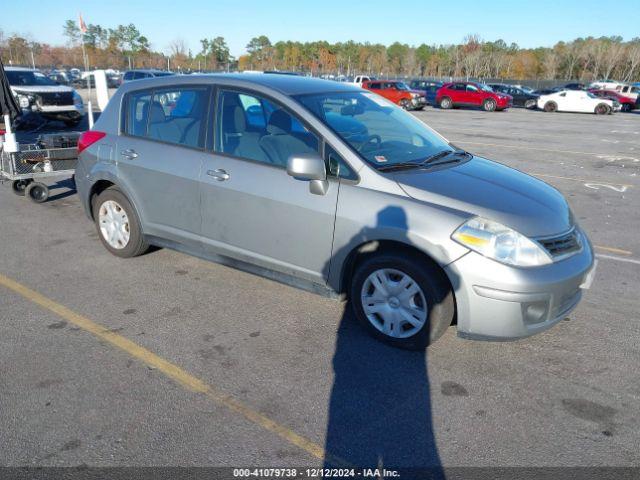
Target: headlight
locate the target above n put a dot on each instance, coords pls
(500, 243)
(77, 99)
(24, 101)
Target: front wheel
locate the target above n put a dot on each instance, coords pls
(602, 109)
(529, 104)
(551, 107)
(118, 225)
(489, 105)
(405, 104)
(403, 300)
(72, 123)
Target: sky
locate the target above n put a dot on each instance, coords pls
(529, 24)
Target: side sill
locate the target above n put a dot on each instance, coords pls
(274, 275)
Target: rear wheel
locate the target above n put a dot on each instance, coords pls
(626, 107)
(489, 105)
(529, 103)
(118, 224)
(20, 186)
(602, 109)
(551, 107)
(403, 300)
(446, 103)
(37, 192)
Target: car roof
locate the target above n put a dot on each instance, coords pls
(20, 69)
(148, 70)
(286, 84)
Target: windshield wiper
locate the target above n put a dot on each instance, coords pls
(427, 161)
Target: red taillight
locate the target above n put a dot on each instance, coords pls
(89, 138)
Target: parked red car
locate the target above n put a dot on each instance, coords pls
(398, 93)
(470, 94)
(627, 103)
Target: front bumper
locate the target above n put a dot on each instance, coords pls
(500, 302)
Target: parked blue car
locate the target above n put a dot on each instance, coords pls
(429, 87)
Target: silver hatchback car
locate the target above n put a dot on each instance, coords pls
(331, 188)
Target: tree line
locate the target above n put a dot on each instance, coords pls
(126, 47)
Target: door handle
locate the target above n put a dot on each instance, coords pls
(129, 153)
(219, 174)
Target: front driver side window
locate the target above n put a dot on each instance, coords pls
(258, 129)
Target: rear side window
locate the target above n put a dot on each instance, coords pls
(173, 115)
(138, 113)
(128, 76)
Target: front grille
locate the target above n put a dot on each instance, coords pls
(55, 98)
(562, 245)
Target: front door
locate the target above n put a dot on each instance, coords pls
(251, 209)
(159, 159)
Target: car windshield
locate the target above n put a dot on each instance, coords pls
(401, 86)
(27, 78)
(484, 87)
(380, 132)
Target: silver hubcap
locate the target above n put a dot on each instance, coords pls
(114, 224)
(394, 303)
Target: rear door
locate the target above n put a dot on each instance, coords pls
(252, 210)
(159, 157)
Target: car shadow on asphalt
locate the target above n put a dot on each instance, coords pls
(67, 184)
(379, 412)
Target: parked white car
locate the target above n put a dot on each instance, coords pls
(577, 101)
(360, 79)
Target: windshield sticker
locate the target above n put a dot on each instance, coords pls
(380, 158)
(378, 99)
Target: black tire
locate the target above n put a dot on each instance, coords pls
(445, 103)
(529, 104)
(431, 280)
(550, 107)
(625, 107)
(489, 105)
(73, 123)
(19, 187)
(37, 192)
(137, 244)
(602, 109)
(405, 104)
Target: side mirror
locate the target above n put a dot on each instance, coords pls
(309, 167)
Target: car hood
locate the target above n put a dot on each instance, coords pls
(419, 92)
(494, 191)
(41, 88)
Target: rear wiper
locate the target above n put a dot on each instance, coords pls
(429, 160)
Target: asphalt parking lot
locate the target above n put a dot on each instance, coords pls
(167, 359)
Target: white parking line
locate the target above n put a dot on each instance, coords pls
(618, 259)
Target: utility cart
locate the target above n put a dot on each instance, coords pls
(30, 167)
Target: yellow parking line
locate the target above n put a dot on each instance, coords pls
(581, 180)
(169, 369)
(614, 250)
